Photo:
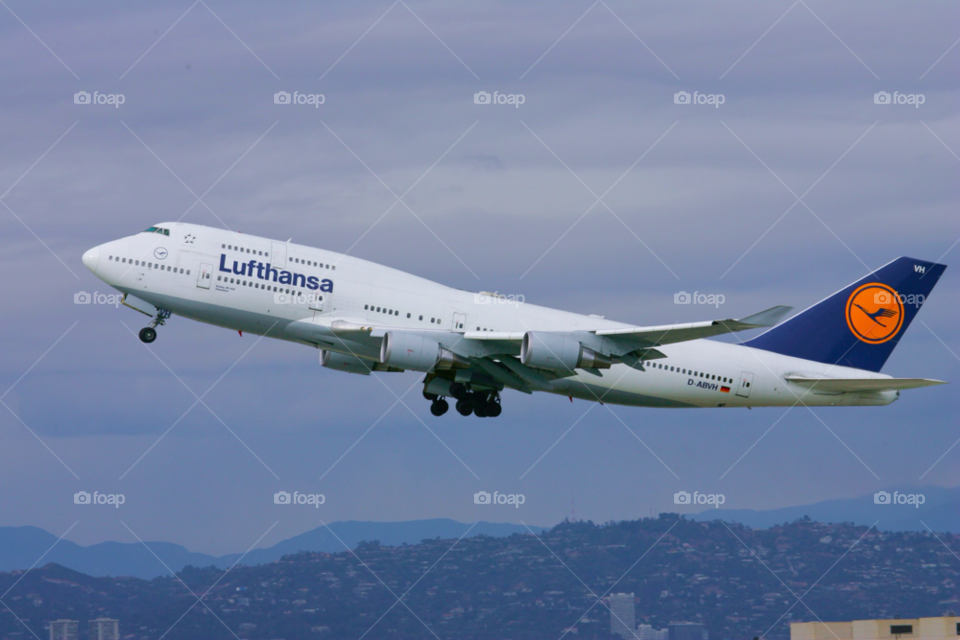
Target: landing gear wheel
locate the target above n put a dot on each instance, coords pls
(494, 409)
(465, 406)
(458, 391)
(439, 407)
(148, 335)
(430, 396)
(480, 409)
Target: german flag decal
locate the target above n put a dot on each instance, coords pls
(724, 389)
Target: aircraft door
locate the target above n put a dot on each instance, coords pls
(746, 381)
(205, 275)
(459, 319)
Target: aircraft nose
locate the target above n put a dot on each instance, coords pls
(92, 258)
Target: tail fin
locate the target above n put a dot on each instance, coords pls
(860, 325)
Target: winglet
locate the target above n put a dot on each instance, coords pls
(767, 318)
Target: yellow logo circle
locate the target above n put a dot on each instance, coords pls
(874, 313)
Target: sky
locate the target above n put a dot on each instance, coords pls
(600, 193)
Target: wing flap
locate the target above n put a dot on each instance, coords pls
(863, 384)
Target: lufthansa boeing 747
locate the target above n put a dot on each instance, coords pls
(364, 317)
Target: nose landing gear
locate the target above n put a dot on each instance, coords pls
(149, 334)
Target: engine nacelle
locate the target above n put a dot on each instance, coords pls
(407, 350)
(350, 364)
(544, 350)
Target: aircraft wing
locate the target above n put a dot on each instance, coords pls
(863, 384)
(648, 337)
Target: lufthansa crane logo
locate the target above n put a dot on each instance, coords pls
(874, 313)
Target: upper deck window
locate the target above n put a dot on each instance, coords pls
(159, 230)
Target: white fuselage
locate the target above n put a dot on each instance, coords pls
(191, 273)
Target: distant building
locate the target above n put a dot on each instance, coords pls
(647, 632)
(104, 629)
(687, 631)
(890, 629)
(64, 629)
(622, 615)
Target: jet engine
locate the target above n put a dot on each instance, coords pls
(557, 352)
(415, 351)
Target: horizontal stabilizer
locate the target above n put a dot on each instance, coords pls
(863, 384)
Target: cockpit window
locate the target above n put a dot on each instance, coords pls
(159, 230)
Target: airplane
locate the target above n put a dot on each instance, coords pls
(365, 317)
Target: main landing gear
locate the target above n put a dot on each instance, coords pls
(149, 334)
(482, 404)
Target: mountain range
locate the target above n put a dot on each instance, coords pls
(21, 547)
(940, 511)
